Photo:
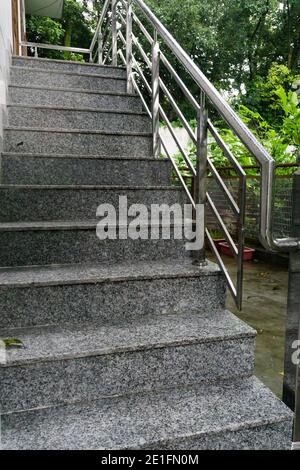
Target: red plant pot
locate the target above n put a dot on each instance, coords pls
(218, 242)
(248, 253)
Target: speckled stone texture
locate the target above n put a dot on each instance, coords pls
(69, 170)
(70, 243)
(86, 81)
(144, 354)
(77, 202)
(68, 66)
(42, 96)
(50, 295)
(240, 414)
(64, 118)
(132, 346)
(31, 140)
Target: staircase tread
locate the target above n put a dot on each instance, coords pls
(88, 64)
(56, 342)
(105, 272)
(75, 90)
(78, 109)
(76, 131)
(143, 420)
(66, 72)
(89, 157)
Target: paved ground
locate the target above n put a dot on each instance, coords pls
(264, 308)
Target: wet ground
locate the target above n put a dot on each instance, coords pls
(264, 308)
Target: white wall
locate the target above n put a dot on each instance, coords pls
(170, 143)
(5, 56)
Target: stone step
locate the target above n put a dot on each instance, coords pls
(79, 118)
(42, 96)
(90, 361)
(97, 293)
(77, 142)
(43, 203)
(228, 415)
(33, 169)
(68, 66)
(48, 243)
(87, 81)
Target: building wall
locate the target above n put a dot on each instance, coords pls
(5, 56)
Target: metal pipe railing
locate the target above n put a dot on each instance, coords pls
(266, 162)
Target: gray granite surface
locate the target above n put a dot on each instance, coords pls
(143, 355)
(241, 414)
(52, 295)
(29, 169)
(57, 96)
(50, 343)
(75, 243)
(77, 141)
(52, 203)
(88, 81)
(109, 340)
(64, 65)
(91, 273)
(79, 118)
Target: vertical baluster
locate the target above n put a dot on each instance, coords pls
(114, 32)
(36, 52)
(100, 47)
(129, 47)
(155, 96)
(200, 183)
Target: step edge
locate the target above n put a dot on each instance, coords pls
(77, 90)
(248, 424)
(99, 279)
(67, 226)
(63, 72)
(73, 62)
(134, 348)
(85, 157)
(284, 415)
(53, 130)
(76, 187)
(78, 110)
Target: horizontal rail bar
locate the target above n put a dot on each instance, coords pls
(55, 47)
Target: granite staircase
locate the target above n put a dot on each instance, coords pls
(126, 344)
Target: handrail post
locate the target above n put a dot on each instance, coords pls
(129, 46)
(291, 381)
(198, 255)
(155, 96)
(100, 47)
(114, 32)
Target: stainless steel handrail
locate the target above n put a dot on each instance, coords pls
(200, 143)
(55, 47)
(266, 162)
